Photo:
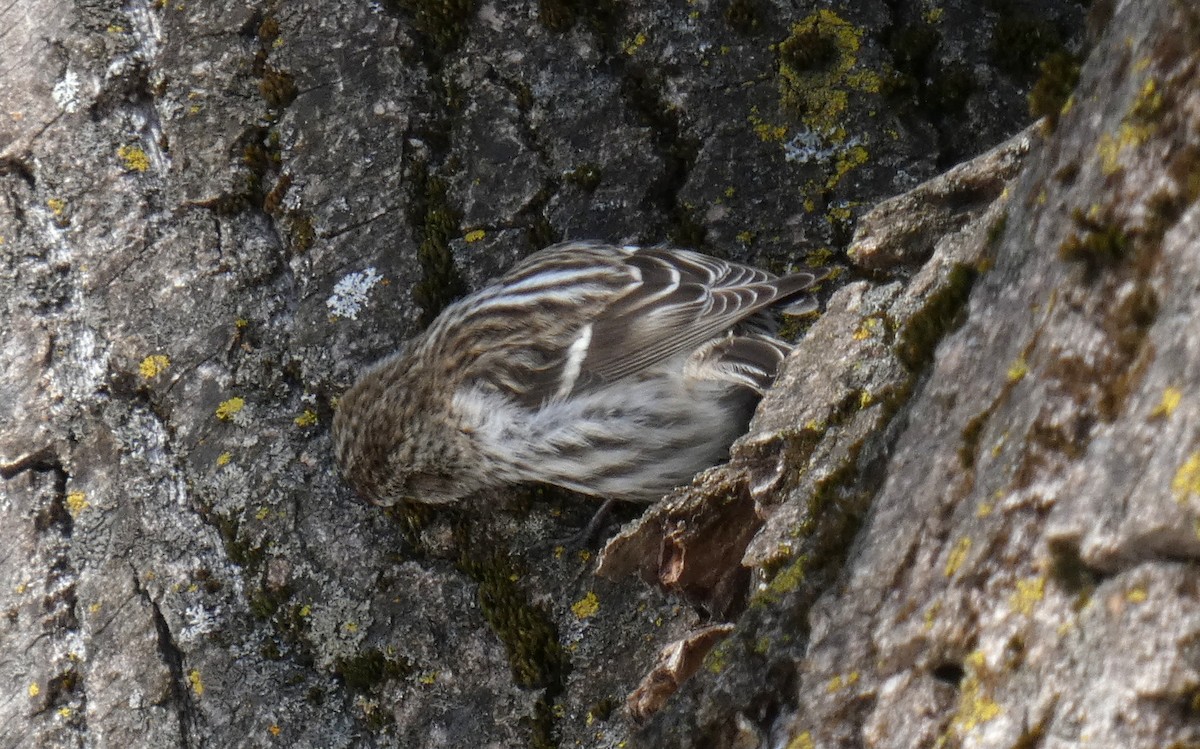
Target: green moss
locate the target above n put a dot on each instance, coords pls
(444, 23)
(370, 668)
(686, 230)
(941, 315)
(1097, 242)
(996, 229)
(256, 158)
(412, 518)
(541, 233)
(911, 47)
(529, 635)
(278, 88)
(557, 15)
(1019, 42)
(440, 282)
(268, 31)
(744, 16)
(948, 90)
(1059, 76)
(273, 200)
(301, 232)
(238, 551)
(270, 651)
(785, 581)
(264, 602)
(541, 726)
(936, 87)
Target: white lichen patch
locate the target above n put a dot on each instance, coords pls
(66, 92)
(808, 145)
(350, 294)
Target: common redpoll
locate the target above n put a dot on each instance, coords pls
(617, 372)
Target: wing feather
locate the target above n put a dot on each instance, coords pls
(578, 314)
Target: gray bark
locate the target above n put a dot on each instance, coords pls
(964, 516)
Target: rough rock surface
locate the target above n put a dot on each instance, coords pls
(965, 516)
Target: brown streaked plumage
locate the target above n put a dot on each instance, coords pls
(614, 371)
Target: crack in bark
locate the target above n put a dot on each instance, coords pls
(172, 656)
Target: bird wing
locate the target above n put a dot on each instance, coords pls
(580, 314)
(683, 299)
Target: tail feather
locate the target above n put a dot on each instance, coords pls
(750, 361)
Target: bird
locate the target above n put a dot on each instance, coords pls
(613, 371)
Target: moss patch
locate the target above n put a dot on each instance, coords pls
(440, 282)
(443, 23)
(1059, 76)
(1097, 241)
(371, 668)
(941, 315)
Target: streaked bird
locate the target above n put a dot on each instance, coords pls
(618, 372)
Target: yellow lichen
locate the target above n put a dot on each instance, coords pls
(866, 328)
(1136, 595)
(586, 607)
(229, 408)
(1187, 478)
(1017, 370)
(34, 690)
(133, 158)
(224, 458)
(474, 235)
(802, 741)
(274, 729)
(306, 419)
(195, 682)
(1170, 401)
(974, 707)
(631, 46)
(930, 615)
(57, 206)
(957, 556)
(847, 160)
(840, 682)
(1027, 594)
(154, 365)
(77, 503)
(767, 132)
(817, 69)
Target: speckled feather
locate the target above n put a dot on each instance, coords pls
(613, 371)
